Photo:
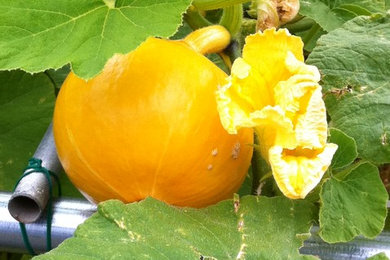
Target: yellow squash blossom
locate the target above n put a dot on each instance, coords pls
(274, 91)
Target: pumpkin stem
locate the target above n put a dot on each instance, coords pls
(211, 39)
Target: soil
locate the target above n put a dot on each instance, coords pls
(385, 175)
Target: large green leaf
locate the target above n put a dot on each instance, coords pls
(311, 36)
(26, 107)
(253, 228)
(352, 205)
(380, 256)
(354, 62)
(346, 152)
(331, 14)
(57, 77)
(41, 34)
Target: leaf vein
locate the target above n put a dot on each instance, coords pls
(209, 231)
(35, 10)
(54, 27)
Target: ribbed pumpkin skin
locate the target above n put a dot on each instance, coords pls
(148, 126)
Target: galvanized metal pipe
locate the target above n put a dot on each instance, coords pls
(358, 249)
(32, 193)
(67, 215)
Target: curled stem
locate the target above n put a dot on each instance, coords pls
(232, 18)
(194, 19)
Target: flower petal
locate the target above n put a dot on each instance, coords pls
(301, 99)
(233, 111)
(311, 128)
(298, 171)
(244, 93)
(273, 127)
(266, 52)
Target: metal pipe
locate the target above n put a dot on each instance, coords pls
(32, 193)
(359, 248)
(67, 215)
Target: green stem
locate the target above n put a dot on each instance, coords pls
(310, 34)
(256, 169)
(232, 18)
(215, 4)
(265, 176)
(300, 26)
(194, 19)
(297, 18)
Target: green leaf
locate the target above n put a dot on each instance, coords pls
(380, 256)
(346, 152)
(354, 62)
(253, 228)
(26, 107)
(353, 205)
(86, 33)
(57, 77)
(311, 36)
(246, 187)
(217, 60)
(331, 14)
(182, 32)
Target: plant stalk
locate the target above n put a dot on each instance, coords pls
(256, 169)
(310, 34)
(300, 26)
(232, 18)
(194, 19)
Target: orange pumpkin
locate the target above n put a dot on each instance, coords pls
(148, 125)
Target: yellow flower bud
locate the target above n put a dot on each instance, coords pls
(287, 10)
(273, 13)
